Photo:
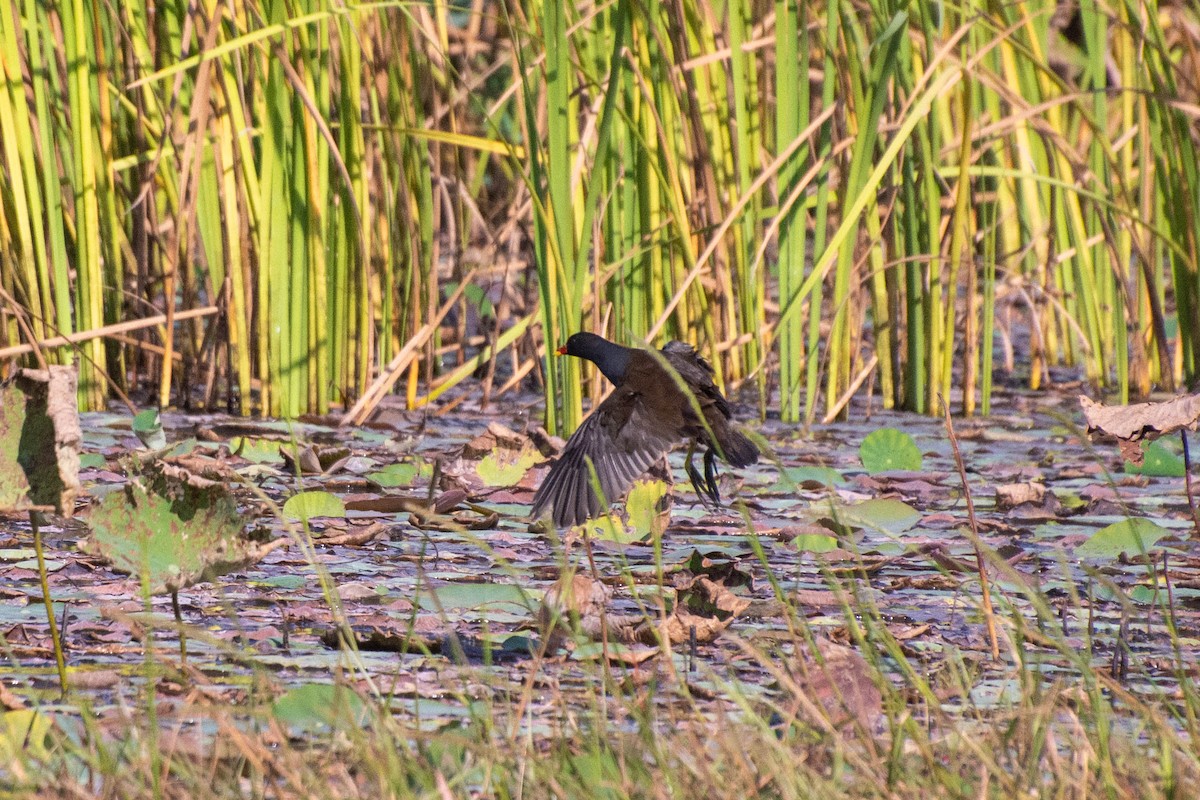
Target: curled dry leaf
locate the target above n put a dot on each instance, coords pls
(1143, 421)
(1011, 495)
(40, 439)
(578, 599)
(495, 437)
(704, 609)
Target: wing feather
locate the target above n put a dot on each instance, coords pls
(621, 441)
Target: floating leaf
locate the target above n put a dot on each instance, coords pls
(171, 544)
(316, 706)
(309, 505)
(148, 427)
(888, 515)
(92, 461)
(610, 528)
(24, 734)
(395, 475)
(506, 467)
(642, 507)
(811, 476)
(1158, 462)
(40, 440)
(815, 543)
(259, 451)
(1132, 536)
(889, 449)
(476, 596)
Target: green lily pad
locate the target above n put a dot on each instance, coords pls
(641, 505)
(889, 449)
(170, 543)
(1132, 536)
(309, 505)
(814, 474)
(505, 468)
(319, 706)
(92, 461)
(815, 543)
(396, 475)
(477, 596)
(24, 734)
(1158, 462)
(148, 427)
(890, 516)
(259, 451)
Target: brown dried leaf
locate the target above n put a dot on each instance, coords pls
(40, 439)
(835, 681)
(1011, 495)
(1141, 422)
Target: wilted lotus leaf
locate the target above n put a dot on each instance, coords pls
(579, 601)
(40, 440)
(1132, 424)
(833, 683)
(173, 536)
(703, 610)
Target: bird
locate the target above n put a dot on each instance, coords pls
(658, 399)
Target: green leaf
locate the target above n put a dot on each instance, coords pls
(641, 505)
(148, 427)
(285, 581)
(394, 475)
(260, 451)
(610, 528)
(316, 706)
(815, 543)
(505, 467)
(308, 505)
(170, 544)
(889, 449)
(92, 461)
(1132, 536)
(23, 735)
(890, 516)
(1158, 462)
(477, 596)
(811, 474)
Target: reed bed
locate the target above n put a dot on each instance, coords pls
(826, 196)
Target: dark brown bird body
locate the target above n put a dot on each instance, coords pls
(658, 399)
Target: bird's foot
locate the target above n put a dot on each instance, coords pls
(710, 477)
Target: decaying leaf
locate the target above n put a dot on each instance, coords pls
(704, 608)
(313, 459)
(495, 437)
(580, 601)
(40, 440)
(172, 539)
(1143, 421)
(831, 682)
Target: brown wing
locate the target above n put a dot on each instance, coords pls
(620, 440)
(734, 447)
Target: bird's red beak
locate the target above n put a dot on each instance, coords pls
(562, 351)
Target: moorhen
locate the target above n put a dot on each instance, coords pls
(646, 414)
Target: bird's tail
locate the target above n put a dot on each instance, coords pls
(739, 451)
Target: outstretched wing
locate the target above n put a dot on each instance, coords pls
(620, 440)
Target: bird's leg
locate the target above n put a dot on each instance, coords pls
(698, 482)
(710, 476)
